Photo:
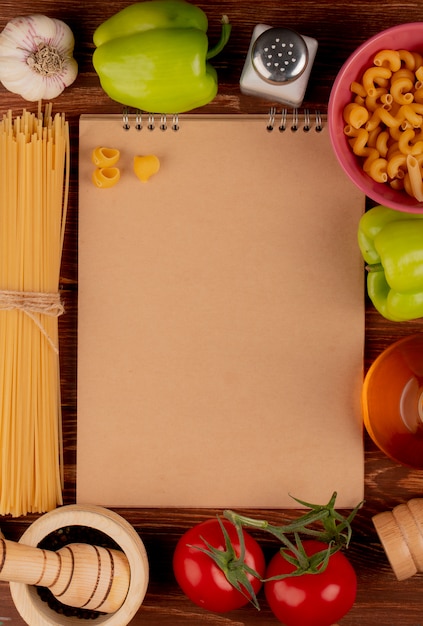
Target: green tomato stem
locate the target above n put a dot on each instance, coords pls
(280, 533)
(336, 532)
(224, 38)
(234, 568)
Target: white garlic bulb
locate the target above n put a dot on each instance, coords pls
(36, 57)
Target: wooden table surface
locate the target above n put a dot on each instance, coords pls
(339, 26)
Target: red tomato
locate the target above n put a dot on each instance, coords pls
(201, 579)
(311, 599)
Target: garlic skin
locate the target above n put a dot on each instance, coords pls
(36, 57)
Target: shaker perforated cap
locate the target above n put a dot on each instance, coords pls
(279, 55)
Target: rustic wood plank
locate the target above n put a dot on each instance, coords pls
(339, 27)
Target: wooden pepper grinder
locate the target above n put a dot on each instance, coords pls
(400, 532)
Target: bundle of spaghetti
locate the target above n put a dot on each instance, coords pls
(34, 184)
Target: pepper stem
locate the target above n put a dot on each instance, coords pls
(376, 267)
(224, 38)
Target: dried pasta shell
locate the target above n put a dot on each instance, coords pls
(105, 177)
(105, 157)
(146, 166)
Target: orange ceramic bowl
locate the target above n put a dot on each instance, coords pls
(392, 401)
(404, 36)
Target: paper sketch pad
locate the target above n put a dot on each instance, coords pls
(221, 319)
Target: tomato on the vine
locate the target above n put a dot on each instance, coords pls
(203, 581)
(311, 599)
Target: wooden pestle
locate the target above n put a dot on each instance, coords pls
(401, 534)
(78, 575)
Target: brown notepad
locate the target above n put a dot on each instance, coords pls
(221, 319)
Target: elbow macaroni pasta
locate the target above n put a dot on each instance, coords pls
(408, 59)
(384, 120)
(375, 76)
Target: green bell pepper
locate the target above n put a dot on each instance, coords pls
(153, 56)
(391, 243)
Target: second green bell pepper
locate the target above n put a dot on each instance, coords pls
(153, 56)
(391, 243)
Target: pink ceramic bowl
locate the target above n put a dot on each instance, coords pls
(404, 36)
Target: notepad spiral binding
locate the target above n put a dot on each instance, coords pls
(293, 120)
(151, 123)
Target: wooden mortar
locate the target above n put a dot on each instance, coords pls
(35, 612)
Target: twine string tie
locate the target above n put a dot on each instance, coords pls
(33, 303)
